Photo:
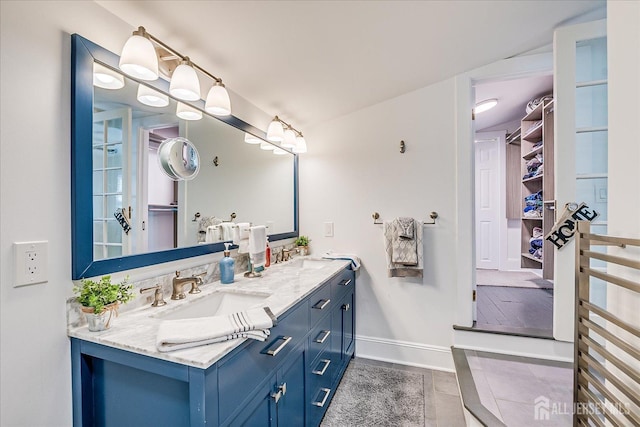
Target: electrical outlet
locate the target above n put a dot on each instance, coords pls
(30, 263)
(328, 229)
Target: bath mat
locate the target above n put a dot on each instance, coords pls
(376, 396)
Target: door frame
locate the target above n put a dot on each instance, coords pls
(518, 67)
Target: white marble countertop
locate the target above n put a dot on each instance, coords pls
(136, 330)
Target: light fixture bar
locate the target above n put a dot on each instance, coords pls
(288, 125)
(176, 53)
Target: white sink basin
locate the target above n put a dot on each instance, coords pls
(308, 263)
(218, 303)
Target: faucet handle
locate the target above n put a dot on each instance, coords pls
(158, 300)
(177, 273)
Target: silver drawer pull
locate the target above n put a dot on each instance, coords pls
(324, 338)
(346, 307)
(345, 282)
(282, 390)
(320, 305)
(321, 372)
(327, 392)
(285, 341)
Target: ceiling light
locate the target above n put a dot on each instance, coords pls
(139, 57)
(106, 78)
(275, 132)
(289, 140)
(250, 139)
(485, 105)
(186, 112)
(218, 102)
(185, 84)
(152, 97)
(264, 145)
(279, 152)
(301, 145)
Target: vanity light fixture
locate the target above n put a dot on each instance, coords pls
(139, 58)
(279, 152)
(275, 131)
(289, 140)
(106, 78)
(151, 97)
(485, 105)
(185, 84)
(250, 139)
(187, 112)
(264, 145)
(301, 144)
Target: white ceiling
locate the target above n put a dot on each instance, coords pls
(310, 61)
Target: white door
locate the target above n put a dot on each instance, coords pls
(487, 200)
(581, 133)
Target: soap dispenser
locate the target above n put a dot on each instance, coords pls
(227, 266)
(267, 262)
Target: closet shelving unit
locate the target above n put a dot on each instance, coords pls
(537, 139)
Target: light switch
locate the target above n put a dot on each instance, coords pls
(328, 229)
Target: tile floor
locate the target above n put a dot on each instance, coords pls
(508, 387)
(443, 407)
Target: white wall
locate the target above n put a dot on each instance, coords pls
(354, 168)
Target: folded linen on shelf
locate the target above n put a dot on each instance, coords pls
(186, 333)
(355, 260)
(404, 256)
(258, 245)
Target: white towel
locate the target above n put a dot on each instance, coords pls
(241, 237)
(258, 245)
(187, 333)
(355, 260)
(226, 232)
(395, 269)
(213, 234)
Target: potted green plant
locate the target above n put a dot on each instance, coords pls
(100, 300)
(302, 243)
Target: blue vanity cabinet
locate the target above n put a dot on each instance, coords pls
(287, 380)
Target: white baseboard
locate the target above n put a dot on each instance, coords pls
(405, 353)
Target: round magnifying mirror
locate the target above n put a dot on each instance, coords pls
(179, 158)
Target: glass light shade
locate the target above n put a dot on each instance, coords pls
(106, 78)
(275, 131)
(185, 84)
(250, 139)
(301, 145)
(218, 102)
(289, 140)
(139, 58)
(485, 105)
(187, 112)
(266, 146)
(152, 97)
(279, 152)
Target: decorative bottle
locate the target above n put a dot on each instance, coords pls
(267, 262)
(227, 266)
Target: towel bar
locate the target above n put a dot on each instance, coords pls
(432, 215)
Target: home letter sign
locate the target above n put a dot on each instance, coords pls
(563, 231)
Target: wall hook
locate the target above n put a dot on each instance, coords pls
(403, 147)
(232, 216)
(196, 217)
(215, 161)
(376, 217)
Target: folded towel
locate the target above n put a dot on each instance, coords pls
(204, 223)
(258, 245)
(241, 237)
(405, 227)
(405, 251)
(402, 249)
(187, 333)
(226, 232)
(355, 260)
(213, 234)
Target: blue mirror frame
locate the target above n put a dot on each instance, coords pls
(83, 55)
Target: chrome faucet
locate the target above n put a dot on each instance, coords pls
(179, 282)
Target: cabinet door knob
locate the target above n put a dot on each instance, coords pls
(346, 307)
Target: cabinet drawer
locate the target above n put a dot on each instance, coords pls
(320, 338)
(320, 304)
(341, 284)
(250, 364)
(318, 400)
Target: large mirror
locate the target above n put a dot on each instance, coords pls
(126, 211)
